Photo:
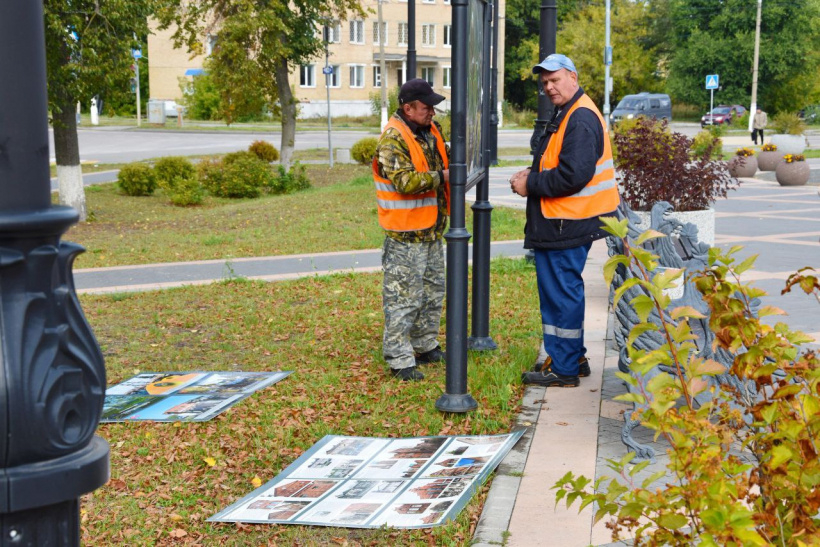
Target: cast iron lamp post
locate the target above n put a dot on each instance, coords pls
(52, 376)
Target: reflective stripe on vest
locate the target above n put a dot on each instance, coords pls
(408, 212)
(600, 195)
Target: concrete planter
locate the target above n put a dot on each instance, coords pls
(795, 173)
(767, 161)
(704, 221)
(743, 166)
(789, 144)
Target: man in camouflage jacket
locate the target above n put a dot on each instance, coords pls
(413, 210)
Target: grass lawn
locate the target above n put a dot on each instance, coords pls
(167, 478)
(338, 213)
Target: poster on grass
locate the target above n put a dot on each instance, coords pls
(181, 396)
(367, 482)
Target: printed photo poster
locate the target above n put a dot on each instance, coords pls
(182, 396)
(364, 482)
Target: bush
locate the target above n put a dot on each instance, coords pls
(290, 181)
(185, 192)
(716, 131)
(392, 101)
(168, 169)
(788, 123)
(444, 122)
(744, 455)
(137, 179)
(705, 141)
(657, 165)
(231, 157)
(200, 97)
(364, 150)
(264, 150)
(245, 176)
(741, 122)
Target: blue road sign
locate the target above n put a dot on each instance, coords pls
(136, 53)
(327, 70)
(712, 81)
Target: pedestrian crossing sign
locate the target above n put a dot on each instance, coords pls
(712, 81)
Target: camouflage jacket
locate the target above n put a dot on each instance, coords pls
(395, 164)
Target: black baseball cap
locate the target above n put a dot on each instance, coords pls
(419, 89)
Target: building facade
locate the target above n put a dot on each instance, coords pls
(353, 59)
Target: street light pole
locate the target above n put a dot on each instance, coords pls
(411, 40)
(546, 46)
(382, 67)
(754, 67)
(328, 72)
(52, 374)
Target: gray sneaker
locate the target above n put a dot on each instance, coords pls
(409, 374)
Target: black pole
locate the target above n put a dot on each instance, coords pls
(546, 46)
(482, 217)
(494, 89)
(411, 40)
(456, 398)
(52, 375)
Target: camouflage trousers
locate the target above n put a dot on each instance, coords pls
(412, 295)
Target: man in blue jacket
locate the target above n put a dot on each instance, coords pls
(570, 184)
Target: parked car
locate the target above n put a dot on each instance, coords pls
(722, 114)
(651, 105)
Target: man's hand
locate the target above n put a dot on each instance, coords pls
(518, 182)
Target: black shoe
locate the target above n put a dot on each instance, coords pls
(549, 379)
(407, 374)
(435, 355)
(583, 366)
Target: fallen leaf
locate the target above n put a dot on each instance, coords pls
(210, 461)
(178, 533)
(561, 423)
(256, 482)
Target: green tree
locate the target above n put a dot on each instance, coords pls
(718, 38)
(258, 43)
(521, 39)
(88, 50)
(634, 62)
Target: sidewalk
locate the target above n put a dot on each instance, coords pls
(566, 429)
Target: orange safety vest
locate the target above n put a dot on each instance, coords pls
(600, 195)
(407, 212)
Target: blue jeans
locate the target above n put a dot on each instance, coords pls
(561, 293)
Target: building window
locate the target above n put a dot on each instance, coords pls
(307, 76)
(334, 32)
(377, 35)
(377, 76)
(356, 75)
(446, 74)
(357, 32)
(402, 34)
(428, 73)
(448, 35)
(428, 35)
(334, 79)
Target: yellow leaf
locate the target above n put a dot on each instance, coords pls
(210, 461)
(256, 482)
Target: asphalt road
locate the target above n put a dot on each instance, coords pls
(119, 144)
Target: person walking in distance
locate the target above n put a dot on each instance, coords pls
(570, 184)
(761, 120)
(411, 172)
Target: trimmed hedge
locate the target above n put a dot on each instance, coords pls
(137, 179)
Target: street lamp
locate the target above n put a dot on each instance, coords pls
(52, 375)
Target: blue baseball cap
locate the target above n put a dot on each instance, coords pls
(554, 62)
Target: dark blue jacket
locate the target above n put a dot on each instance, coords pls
(582, 148)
